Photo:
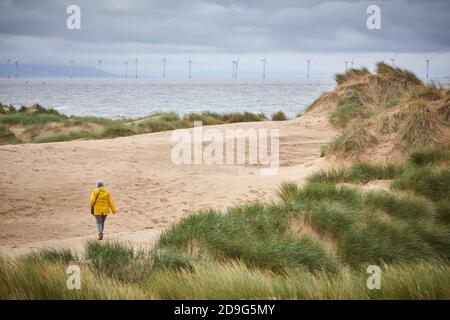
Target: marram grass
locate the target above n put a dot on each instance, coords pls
(256, 251)
(231, 280)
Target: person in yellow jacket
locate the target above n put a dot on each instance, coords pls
(101, 205)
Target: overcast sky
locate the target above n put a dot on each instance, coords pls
(214, 32)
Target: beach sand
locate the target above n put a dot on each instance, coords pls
(45, 188)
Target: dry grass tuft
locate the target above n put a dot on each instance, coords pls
(420, 128)
(397, 74)
(351, 74)
(351, 142)
(445, 109)
(431, 92)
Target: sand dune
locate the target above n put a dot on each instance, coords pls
(45, 188)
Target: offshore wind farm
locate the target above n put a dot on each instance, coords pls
(110, 90)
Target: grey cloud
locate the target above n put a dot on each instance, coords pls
(214, 31)
(241, 26)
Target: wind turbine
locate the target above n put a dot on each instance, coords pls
(234, 68)
(136, 65)
(346, 65)
(237, 69)
(16, 73)
(126, 69)
(308, 63)
(427, 60)
(351, 63)
(164, 66)
(264, 67)
(7, 70)
(71, 69)
(393, 60)
(190, 68)
(100, 64)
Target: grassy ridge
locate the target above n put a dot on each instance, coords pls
(263, 241)
(41, 125)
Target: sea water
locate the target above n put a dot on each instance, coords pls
(130, 97)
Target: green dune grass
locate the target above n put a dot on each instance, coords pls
(254, 252)
(59, 127)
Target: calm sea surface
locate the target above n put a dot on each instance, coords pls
(130, 97)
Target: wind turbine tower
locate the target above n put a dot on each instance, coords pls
(71, 69)
(100, 65)
(136, 65)
(16, 73)
(308, 62)
(236, 69)
(264, 67)
(346, 65)
(393, 60)
(126, 69)
(190, 68)
(428, 66)
(351, 63)
(164, 67)
(7, 68)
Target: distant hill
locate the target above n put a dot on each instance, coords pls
(43, 71)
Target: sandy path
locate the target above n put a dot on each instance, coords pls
(45, 188)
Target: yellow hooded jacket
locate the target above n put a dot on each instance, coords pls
(104, 202)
